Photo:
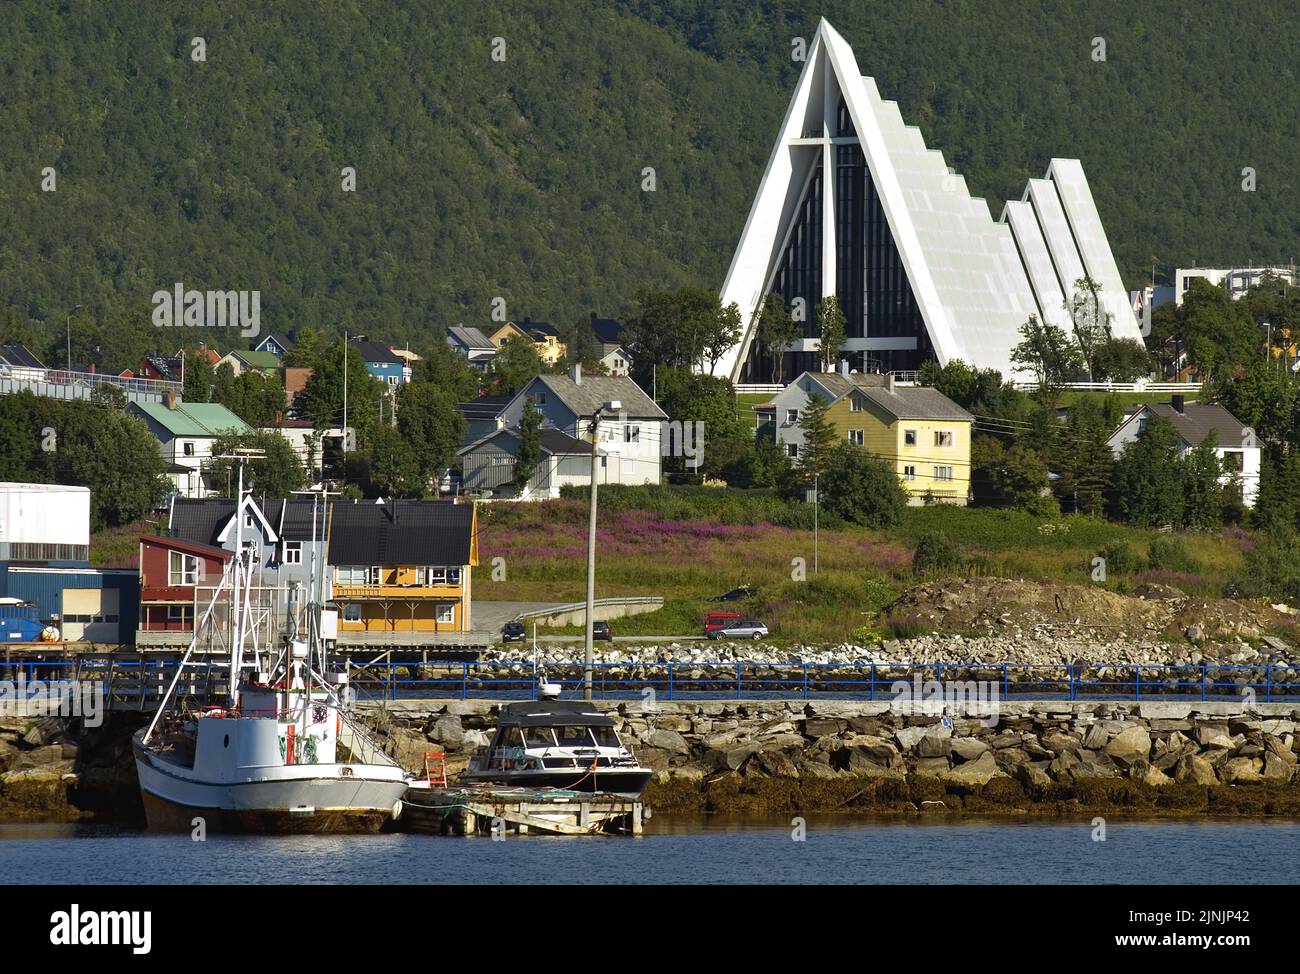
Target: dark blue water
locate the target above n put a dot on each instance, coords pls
(836, 850)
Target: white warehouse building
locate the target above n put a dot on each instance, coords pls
(853, 204)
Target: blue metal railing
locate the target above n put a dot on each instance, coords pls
(861, 680)
(140, 682)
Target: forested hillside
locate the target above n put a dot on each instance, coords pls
(523, 178)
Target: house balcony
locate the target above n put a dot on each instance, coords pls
(344, 592)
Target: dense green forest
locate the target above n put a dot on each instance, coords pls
(523, 178)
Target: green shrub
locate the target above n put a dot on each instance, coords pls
(1170, 554)
(1120, 558)
(936, 552)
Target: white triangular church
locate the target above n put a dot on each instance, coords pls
(853, 204)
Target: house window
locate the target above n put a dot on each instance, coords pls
(447, 613)
(855, 437)
(792, 450)
(182, 569)
(187, 448)
(909, 437)
(855, 404)
(943, 437)
(248, 521)
(943, 473)
(1232, 461)
(352, 612)
(1142, 425)
(293, 552)
(356, 575)
(791, 417)
(631, 434)
(392, 380)
(431, 576)
(178, 613)
(909, 472)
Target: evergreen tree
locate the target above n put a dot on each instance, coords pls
(819, 436)
(530, 445)
(1149, 479)
(831, 328)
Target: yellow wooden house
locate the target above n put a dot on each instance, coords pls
(403, 566)
(924, 435)
(545, 339)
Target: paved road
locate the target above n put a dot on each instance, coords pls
(491, 616)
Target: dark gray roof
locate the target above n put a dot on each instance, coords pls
(553, 441)
(202, 520)
(1199, 420)
(596, 390)
(607, 330)
(541, 327)
(375, 352)
(470, 338)
(401, 533)
(19, 355)
(484, 407)
(916, 402)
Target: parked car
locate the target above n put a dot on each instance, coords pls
(719, 620)
(745, 629)
(735, 595)
(601, 630)
(513, 632)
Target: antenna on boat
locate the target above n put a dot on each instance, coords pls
(240, 456)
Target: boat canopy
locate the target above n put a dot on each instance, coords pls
(552, 713)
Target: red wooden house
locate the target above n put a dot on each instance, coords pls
(171, 570)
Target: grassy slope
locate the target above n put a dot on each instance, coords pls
(861, 571)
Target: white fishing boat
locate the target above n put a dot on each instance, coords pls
(283, 754)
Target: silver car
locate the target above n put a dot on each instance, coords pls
(741, 629)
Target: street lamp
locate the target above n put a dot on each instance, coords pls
(613, 406)
(68, 322)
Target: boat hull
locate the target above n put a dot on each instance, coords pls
(311, 801)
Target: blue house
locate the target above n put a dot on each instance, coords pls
(380, 361)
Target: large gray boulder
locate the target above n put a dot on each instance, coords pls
(667, 740)
(447, 729)
(968, 748)
(1130, 745)
(977, 772)
(1195, 769)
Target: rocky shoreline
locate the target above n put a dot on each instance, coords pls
(792, 757)
(763, 757)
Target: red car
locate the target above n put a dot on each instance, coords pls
(718, 620)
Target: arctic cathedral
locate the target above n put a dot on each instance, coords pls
(853, 204)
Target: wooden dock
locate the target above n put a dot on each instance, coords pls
(497, 810)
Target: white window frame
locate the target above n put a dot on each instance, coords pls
(943, 472)
(351, 612)
(792, 451)
(909, 437)
(943, 438)
(293, 552)
(187, 573)
(909, 471)
(445, 613)
(791, 417)
(856, 437)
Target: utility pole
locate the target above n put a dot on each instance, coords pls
(588, 656)
(345, 392)
(817, 499)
